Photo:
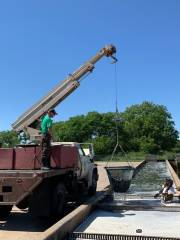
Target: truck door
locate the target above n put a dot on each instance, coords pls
(84, 162)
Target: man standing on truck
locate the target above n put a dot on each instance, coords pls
(46, 131)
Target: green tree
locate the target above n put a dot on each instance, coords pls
(149, 127)
(95, 127)
(145, 127)
(76, 129)
(8, 138)
(103, 145)
(176, 149)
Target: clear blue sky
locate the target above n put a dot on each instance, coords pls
(43, 41)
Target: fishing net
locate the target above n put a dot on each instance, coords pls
(120, 177)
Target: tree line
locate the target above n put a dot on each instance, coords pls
(145, 127)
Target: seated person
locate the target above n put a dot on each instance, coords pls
(167, 191)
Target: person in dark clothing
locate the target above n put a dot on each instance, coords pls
(46, 131)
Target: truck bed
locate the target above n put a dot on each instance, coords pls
(33, 173)
(15, 185)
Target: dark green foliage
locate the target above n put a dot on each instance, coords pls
(146, 127)
(103, 145)
(8, 139)
(93, 127)
(176, 149)
(150, 127)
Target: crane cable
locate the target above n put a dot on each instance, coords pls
(116, 120)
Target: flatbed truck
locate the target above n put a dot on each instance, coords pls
(45, 193)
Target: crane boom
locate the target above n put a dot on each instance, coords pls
(58, 94)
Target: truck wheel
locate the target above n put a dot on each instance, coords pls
(59, 200)
(23, 204)
(93, 187)
(5, 210)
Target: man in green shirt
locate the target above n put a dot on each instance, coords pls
(46, 131)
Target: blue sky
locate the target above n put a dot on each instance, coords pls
(43, 41)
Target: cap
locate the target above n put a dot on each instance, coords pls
(169, 181)
(53, 111)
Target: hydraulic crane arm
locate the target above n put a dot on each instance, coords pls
(26, 122)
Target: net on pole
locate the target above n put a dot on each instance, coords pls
(120, 177)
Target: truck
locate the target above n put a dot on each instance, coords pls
(45, 192)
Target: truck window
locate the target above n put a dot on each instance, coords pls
(81, 152)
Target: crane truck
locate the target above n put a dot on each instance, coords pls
(45, 193)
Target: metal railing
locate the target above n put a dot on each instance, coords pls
(94, 236)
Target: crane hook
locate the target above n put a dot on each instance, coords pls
(114, 60)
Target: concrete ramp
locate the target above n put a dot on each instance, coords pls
(125, 223)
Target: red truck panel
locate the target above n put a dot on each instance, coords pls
(63, 156)
(24, 158)
(38, 163)
(6, 158)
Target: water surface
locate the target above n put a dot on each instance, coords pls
(149, 178)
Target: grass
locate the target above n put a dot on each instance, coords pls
(134, 157)
(130, 157)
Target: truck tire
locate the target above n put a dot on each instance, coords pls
(59, 200)
(5, 210)
(93, 187)
(23, 204)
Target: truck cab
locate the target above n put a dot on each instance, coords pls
(85, 161)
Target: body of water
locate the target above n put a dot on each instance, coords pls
(149, 178)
